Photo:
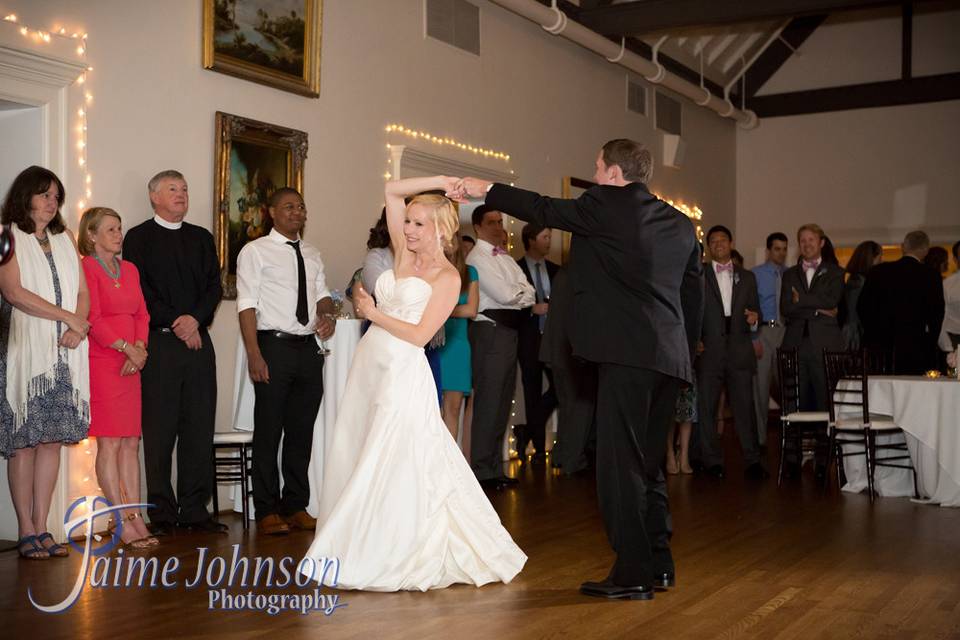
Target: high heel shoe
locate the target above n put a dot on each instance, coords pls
(149, 540)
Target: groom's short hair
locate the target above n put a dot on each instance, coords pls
(633, 158)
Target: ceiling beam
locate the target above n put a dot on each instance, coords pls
(645, 16)
(860, 96)
(779, 51)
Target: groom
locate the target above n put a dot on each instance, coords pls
(635, 273)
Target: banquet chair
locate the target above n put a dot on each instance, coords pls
(228, 467)
(851, 422)
(795, 425)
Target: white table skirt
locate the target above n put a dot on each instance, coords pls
(928, 411)
(336, 366)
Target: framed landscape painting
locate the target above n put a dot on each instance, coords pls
(253, 159)
(273, 42)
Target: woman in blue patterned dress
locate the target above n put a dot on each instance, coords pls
(43, 353)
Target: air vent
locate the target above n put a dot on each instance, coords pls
(636, 97)
(669, 114)
(455, 22)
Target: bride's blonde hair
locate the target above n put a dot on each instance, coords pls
(444, 215)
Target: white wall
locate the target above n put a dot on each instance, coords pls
(862, 174)
(20, 128)
(545, 101)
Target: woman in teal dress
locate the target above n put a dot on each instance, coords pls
(455, 376)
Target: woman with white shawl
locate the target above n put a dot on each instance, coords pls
(43, 353)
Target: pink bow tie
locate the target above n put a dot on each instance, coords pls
(497, 251)
(725, 267)
(810, 265)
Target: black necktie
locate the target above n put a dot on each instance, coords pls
(302, 316)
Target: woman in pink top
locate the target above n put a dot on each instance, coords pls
(118, 351)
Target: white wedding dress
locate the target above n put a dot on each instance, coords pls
(400, 508)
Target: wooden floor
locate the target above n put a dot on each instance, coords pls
(752, 562)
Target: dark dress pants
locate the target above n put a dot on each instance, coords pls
(286, 406)
(538, 404)
(179, 400)
(635, 408)
(576, 386)
(494, 364)
(812, 378)
(739, 383)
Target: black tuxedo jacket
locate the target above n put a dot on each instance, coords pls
(720, 346)
(634, 269)
(901, 308)
(825, 292)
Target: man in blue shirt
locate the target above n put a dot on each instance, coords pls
(771, 330)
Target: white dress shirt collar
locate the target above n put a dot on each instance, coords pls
(279, 238)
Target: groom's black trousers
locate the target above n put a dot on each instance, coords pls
(287, 405)
(634, 410)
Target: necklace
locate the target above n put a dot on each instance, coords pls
(110, 274)
(44, 241)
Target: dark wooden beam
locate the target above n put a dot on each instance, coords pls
(906, 56)
(645, 16)
(779, 51)
(861, 96)
(643, 49)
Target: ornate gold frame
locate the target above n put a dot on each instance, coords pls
(229, 128)
(566, 192)
(308, 84)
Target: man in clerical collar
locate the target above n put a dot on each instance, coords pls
(180, 278)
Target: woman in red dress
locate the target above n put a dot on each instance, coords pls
(119, 326)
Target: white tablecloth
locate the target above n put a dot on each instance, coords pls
(928, 411)
(336, 366)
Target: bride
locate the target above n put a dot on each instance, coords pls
(400, 508)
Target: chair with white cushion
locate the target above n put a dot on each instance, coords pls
(796, 427)
(851, 422)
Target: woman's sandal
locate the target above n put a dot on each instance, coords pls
(55, 550)
(151, 541)
(28, 548)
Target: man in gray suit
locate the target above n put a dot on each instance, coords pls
(730, 318)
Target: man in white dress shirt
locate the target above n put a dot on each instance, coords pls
(505, 296)
(283, 302)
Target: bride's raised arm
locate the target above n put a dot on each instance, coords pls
(396, 191)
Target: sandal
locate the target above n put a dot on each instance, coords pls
(55, 550)
(28, 548)
(151, 541)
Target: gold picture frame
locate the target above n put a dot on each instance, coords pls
(242, 38)
(253, 159)
(567, 192)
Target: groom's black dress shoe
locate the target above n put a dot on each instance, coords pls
(664, 580)
(204, 526)
(499, 483)
(607, 589)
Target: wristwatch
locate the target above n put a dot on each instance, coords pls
(489, 186)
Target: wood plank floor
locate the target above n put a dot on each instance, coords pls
(753, 562)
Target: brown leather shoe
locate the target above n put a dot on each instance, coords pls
(272, 525)
(301, 520)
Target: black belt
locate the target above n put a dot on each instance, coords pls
(512, 318)
(770, 323)
(292, 337)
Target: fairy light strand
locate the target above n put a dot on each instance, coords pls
(41, 36)
(447, 141)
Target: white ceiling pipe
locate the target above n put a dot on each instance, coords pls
(555, 21)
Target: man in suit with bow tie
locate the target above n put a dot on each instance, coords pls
(730, 320)
(810, 295)
(637, 306)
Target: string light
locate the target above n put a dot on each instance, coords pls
(46, 37)
(693, 212)
(445, 140)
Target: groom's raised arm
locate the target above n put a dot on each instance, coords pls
(578, 216)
